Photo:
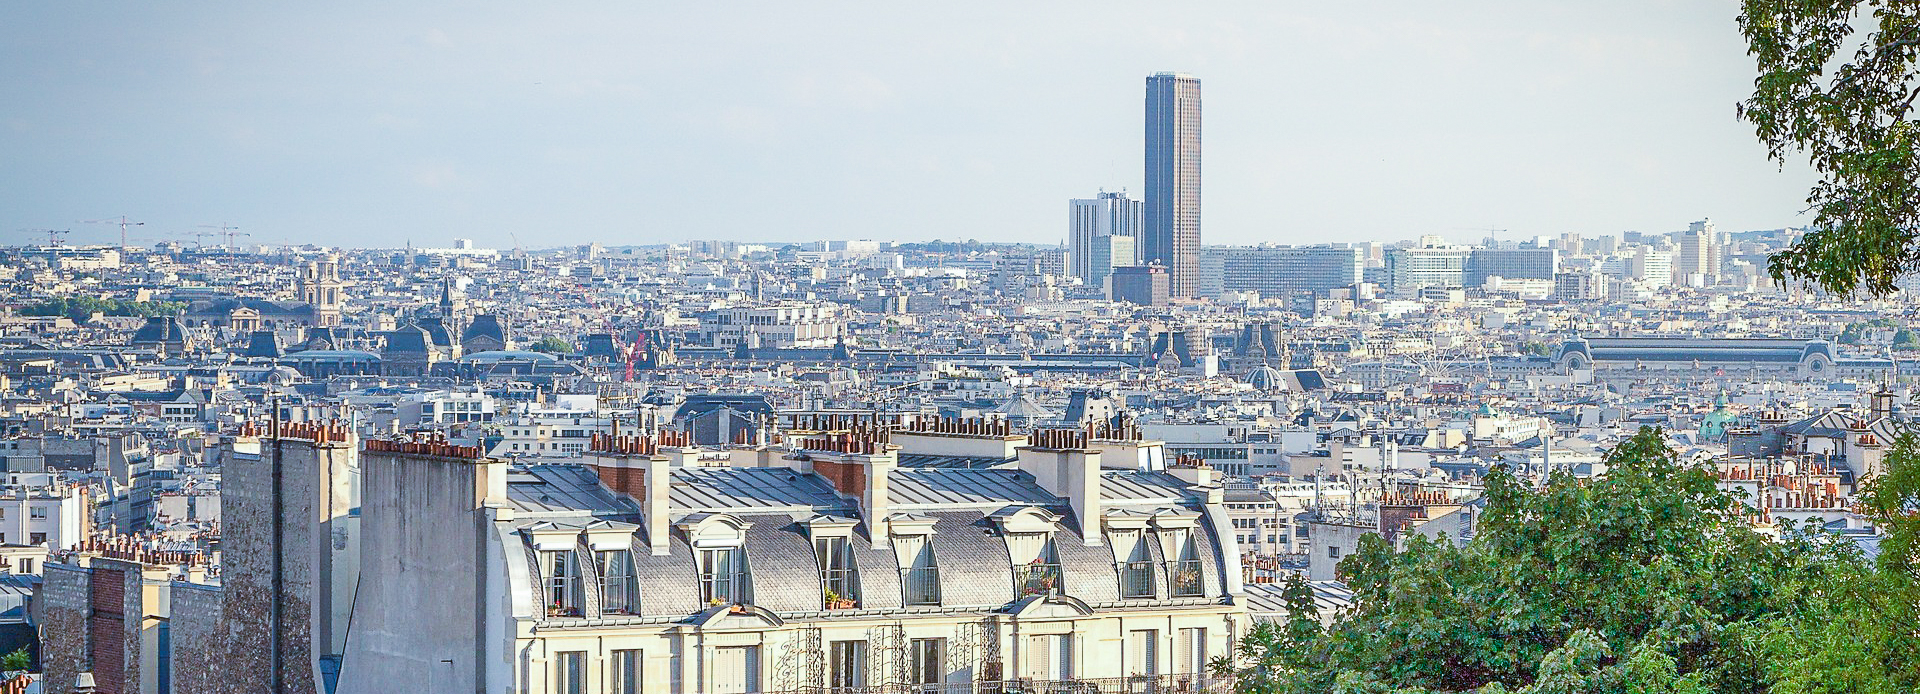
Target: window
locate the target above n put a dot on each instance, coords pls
(847, 664)
(919, 577)
(563, 583)
(736, 670)
(624, 674)
(1333, 551)
(1050, 657)
(722, 575)
(838, 588)
(619, 587)
(570, 672)
(1037, 566)
(1142, 652)
(1184, 571)
(1192, 652)
(38, 539)
(1136, 569)
(37, 512)
(929, 661)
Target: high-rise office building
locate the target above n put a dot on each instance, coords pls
(1172, 234)
(1109, 252)
(1699, 254)
(1111, 214)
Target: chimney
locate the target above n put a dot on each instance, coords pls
(637, 467)
(1882, 404)
(857, 463)
(1064, 464)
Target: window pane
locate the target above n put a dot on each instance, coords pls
(625, 677)
(570, 672)
(848, 664)
(619, 592)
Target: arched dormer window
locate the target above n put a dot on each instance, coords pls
(1034, 561)
(718, 541)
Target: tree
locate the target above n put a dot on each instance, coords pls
(16, 661)
(1648, 579)
(1904, 339)
(80, 308)
(552, 345)
(1853, 123)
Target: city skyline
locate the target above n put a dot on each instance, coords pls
(499, 124)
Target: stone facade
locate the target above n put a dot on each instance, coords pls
(281, 596)
(199, 657)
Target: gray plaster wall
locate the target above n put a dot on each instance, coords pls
(417, 617)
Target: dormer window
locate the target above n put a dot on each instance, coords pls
(1183, 565)
(559, 568)
(1029, 536)
(717, 541)
(837, 585)
(913, 551)
(612, 546)
(723, 575)
(919, 576)
(1136, 564)
(562, 582)
(833, 553)
(619, 587)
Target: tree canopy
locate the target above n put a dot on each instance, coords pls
(552, 345)
(1837, 84)
(80, 308)
(1648, 579)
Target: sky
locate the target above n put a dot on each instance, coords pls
(379, 124)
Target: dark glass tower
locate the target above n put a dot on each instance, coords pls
(1172, 233)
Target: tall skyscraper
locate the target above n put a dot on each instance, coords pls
(1111, 214)
(1699, 254)
(1172, 234)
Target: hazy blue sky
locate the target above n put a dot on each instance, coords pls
(371, 124)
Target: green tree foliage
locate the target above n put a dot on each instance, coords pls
(1837, 84)
(16, 661)
(1648, 579)
(1859, 630)
(80, 308)
(1904, 339)
(552, 345)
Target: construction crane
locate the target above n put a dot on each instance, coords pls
(227, 231)
(122, 222)
(198, 237)
(53, 235)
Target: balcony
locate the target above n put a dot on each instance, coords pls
(839, 589)
(1037, 579)
(1136, 579)
(920, 585)
(1184, 577)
